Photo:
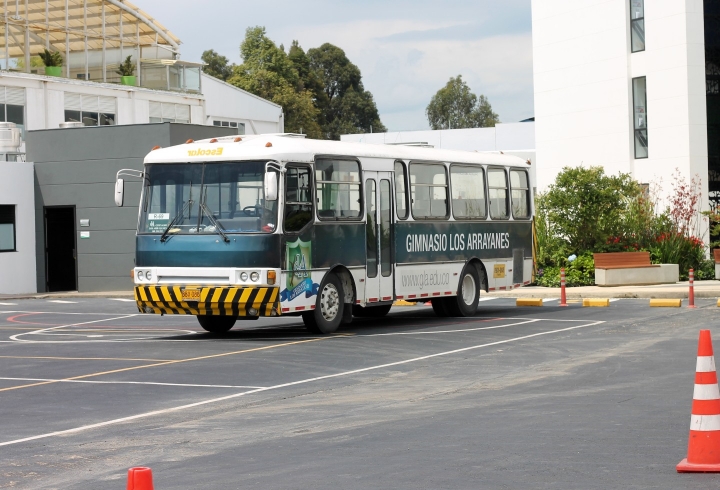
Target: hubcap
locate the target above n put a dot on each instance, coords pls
(329, 302)
(468, 289)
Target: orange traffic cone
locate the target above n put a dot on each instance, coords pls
(139, 479)
(704, 442)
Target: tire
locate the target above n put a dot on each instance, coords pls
(329, 307)
(216, 324)
(468, 294)
(439, 306)
(370, 311)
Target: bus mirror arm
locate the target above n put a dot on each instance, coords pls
(271, 181)
(120, 184)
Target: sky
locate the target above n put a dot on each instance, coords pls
(406, 50)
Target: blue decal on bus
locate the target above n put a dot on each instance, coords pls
(298, 263)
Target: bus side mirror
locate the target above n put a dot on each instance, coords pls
(119, 192)
(271, 186)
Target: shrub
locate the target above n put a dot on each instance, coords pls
(51, 58)
(580, 272)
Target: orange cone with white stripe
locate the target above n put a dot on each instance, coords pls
(704, 442)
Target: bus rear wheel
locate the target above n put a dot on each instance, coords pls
(329, 307)
(439, 306)
(468, 294)
(371, 311)
(216, 324)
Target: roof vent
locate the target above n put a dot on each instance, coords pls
(72, 124)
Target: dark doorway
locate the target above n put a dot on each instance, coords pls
(60, 249)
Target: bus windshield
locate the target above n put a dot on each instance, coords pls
(192, 198)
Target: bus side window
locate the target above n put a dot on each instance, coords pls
(370, 227)
(520, 194)
(338, 189)
(498, 193)
(298, 198)
(401, 190)
(428, 183)
(468, 192)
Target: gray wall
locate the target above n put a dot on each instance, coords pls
(77, 167)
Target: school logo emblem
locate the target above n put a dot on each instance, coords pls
(298, 263)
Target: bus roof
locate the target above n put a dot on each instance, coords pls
(288, 147)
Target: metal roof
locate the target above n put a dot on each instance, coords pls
(52, 23)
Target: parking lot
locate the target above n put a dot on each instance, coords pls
(514, 397)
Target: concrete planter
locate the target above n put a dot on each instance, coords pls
(131, 80)
(53, 71)
(640, 276)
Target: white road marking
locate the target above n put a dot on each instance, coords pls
(122, 299)
(62, 301)
(547, 300)
(8, 304)
(285, 385)
(612, 300)
(487, 298)
(446, 331)
(130, 383)
(43, 330)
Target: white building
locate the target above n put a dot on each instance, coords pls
(622, 84)
(91, 39)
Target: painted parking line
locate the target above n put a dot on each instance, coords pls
(487, 298)
(186, 385)
(122, 299)
(43, 330)
(176, 361)
(435, 332)
(8, 304)
(62, 301)
(131, 418)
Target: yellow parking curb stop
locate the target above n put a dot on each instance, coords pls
(596, 302)
(673, 303)
(529, 302)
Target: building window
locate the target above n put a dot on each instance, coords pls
(161, 112)
(637, 25)
(91, 110)
(7, 228)
(12, 106)
(640, 117)
(230, 124)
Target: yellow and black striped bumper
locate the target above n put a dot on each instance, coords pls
(221, 300)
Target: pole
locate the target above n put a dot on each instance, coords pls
(691, 294)
(563, 300)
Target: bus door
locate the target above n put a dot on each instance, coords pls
(378, 237)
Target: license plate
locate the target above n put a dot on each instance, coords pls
(191, 295)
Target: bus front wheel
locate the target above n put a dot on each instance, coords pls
(329, 307)
(216, 324)
(468, 294)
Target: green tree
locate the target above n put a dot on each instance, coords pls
(584, 207)
(216, 65)
(267, 71)
(454, 107)
(345, 105)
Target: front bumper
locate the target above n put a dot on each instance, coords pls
(219, 301)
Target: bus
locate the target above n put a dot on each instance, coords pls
(237, 228)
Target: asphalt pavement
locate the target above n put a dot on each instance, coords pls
(545, 397)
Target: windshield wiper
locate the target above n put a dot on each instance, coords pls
(186, 205)
(165, 233)
(206, 210)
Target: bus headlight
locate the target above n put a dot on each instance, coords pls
(148, 275)
(139, 275)
(243, 276)
(254, 277)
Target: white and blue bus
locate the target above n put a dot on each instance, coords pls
(271, 225)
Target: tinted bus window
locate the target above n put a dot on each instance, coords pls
(520, 194)
(338, 189)
(371, 238)
(385, 209)
(401, 190)
(298, 198)
(428, 184)
(468, 192)
(497, 186)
